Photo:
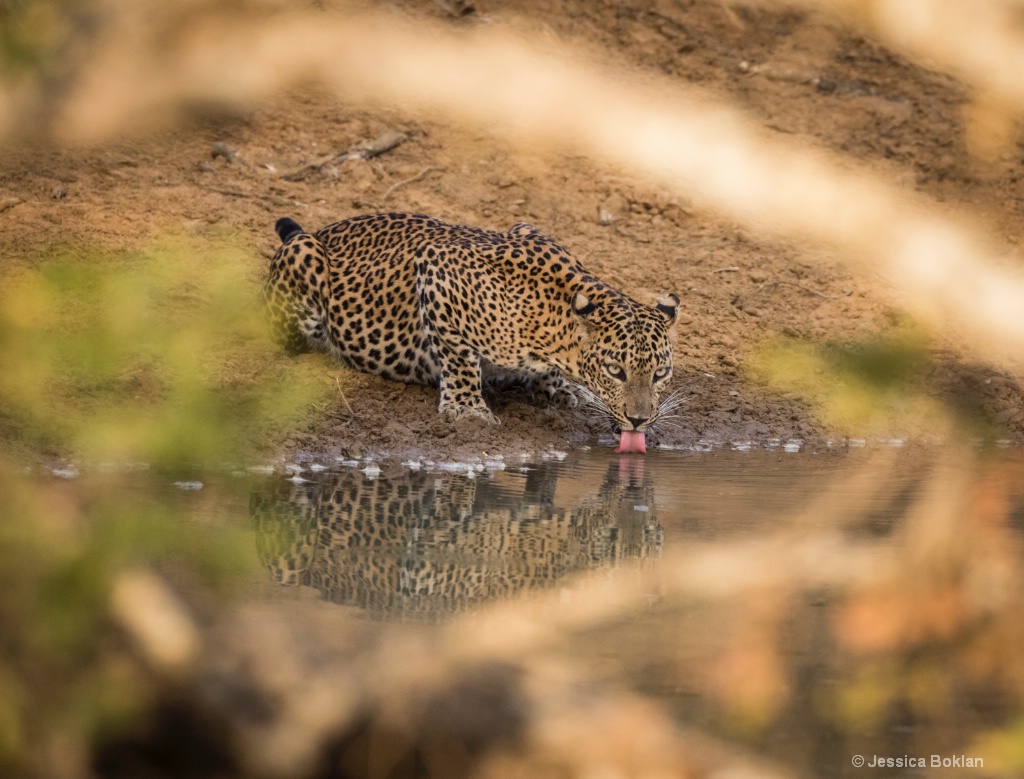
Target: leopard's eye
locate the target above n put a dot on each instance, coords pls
(662, 372)
(615, 371)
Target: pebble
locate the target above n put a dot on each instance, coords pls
(612, 209)
(221, 149)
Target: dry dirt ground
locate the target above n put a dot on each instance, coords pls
(795, 72)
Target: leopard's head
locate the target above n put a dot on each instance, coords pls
(625, 360)
(293, 294)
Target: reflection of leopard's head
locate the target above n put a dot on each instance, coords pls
(625, 352)
(414, 546)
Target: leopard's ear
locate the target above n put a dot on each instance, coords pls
(668, 306)
(522, 229)
(582, 306)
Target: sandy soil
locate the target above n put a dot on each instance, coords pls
(796, 73)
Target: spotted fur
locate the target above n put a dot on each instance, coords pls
(418, 300)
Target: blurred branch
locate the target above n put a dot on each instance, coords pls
(705, 150)
(979, 42)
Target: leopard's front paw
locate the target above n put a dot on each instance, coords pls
(460, 414)
(563, 397)
(558, 395)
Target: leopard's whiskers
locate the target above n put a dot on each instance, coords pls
(668, 405)
(591, 401)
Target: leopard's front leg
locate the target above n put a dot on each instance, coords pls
(442, 300)
(461, 396)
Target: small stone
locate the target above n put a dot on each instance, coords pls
(824, 85)
(456, 8)
(1005, 416)
(612, 209)
(676, 214)
(221, 149)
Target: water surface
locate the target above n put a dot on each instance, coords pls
(808, 660)
(430, 542)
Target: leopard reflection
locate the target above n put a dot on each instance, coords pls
(423, 546)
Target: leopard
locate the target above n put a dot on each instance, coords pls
(412, 298)
(413, 546)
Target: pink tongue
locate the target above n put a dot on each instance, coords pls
(632, 441)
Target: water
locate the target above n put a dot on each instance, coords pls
(430, 543)
(809, 606)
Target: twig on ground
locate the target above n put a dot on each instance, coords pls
(714, 244)
(403, 182)
(299, 172)
(367, 204)
(384, 142)
(731, 269)
(277, 200)
(341, 394)
(631, 236)
(801, 287)
(731, 16)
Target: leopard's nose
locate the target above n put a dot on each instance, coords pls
(637, 421)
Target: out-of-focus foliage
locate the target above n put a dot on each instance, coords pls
(1006, 745)
(159, 356)
(862, 388)
(67, 678)
(34, 34)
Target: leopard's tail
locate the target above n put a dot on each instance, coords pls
(286, 228)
